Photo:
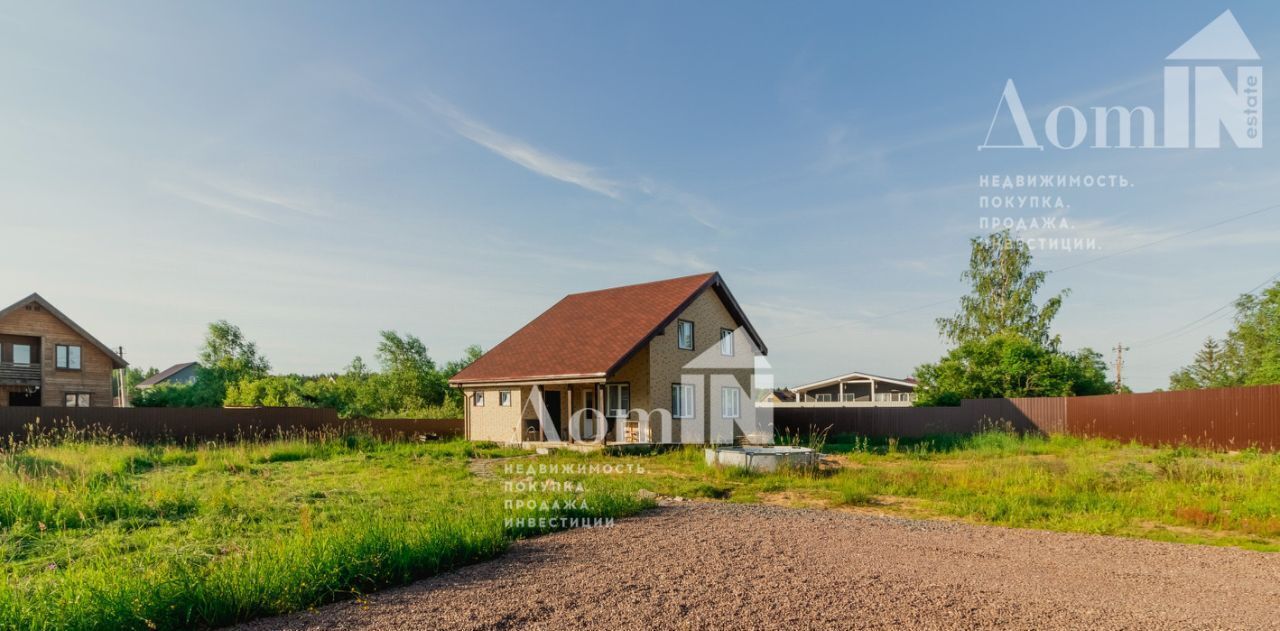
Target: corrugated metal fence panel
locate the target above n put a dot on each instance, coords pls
(1224, 418)
(410, 427)
(214, 423)
(907, 422)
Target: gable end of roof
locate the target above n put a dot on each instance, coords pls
(116, 359)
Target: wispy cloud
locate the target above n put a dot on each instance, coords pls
(429, 109)
(217, 203)
(239, 199)
(522, 153)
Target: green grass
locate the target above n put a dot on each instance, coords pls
(96, 533)
(100, 534)
(1058, 483)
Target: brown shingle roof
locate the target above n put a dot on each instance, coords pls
(591, 334)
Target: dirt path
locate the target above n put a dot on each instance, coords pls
(715, 565)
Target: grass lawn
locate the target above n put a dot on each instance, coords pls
(103, 534)
(106, 535)
(1059, 483)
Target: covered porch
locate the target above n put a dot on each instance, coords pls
(588, 413)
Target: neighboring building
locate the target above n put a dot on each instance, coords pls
(856, 389)
(177, 375)
(682, 346)
(779, 396)
(47, 359)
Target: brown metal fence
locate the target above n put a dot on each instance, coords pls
(1224, 418)
(184, 424)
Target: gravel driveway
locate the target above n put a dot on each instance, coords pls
(715, 565)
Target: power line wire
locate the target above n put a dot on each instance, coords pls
(1168, 335)
(1054, 271)
(1170, 237)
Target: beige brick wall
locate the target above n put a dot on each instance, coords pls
(667, 361)
(492, 421)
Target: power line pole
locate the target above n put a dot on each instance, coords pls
(1120, 349)
(123, 380)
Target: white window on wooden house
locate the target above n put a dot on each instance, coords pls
(731, 402)
(682, 400)
(684, 334)
(22, 353)
(477, 398)
(504, 398)
(77, 399)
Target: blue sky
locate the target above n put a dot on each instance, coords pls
(315, 172)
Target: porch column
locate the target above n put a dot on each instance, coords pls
(568, 394)
(873, 390)
(842, 392)
(602, 419)
(539, 406)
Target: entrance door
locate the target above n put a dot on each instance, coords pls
(589, 414)
(24, 398)
(552, 399)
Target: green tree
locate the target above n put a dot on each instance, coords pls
(1002, 291)
(230, 355)
(1248, 355)
(227, 358)
(132, 377)
(469, 355)
(409, 379)
(1010, 365)
(1216, 365)
(1256, 336)
(1003, 342)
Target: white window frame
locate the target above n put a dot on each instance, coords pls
(15, 354)
(730, 402)
(680, 324)
(726, 342)
(504, 398)
(77, 399)
(477, 399)
(615, 394)
(683, 395)
(825, 397)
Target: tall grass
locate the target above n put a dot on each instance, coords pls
(103, 534)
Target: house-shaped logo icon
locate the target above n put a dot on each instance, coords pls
(1219, 106)
(1221, 40)
(1201, 102)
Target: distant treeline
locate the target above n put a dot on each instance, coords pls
(406, 384)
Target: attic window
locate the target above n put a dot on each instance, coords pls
(68, 357)
(684, 334)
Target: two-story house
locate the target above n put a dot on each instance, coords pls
(671, 361)
(47, 359)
